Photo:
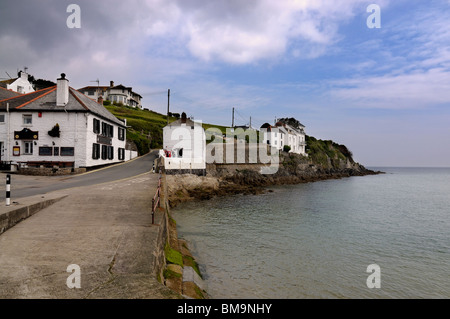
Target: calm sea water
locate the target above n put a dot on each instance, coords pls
(316, 240)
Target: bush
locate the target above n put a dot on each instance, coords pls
(286, 148)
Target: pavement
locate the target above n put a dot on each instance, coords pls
(105, 229)
(24, 186)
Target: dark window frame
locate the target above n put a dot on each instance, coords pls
(41, 148)
(62, 152)
(104, 152)
(95, 151)
(121, 134)
(121, 154)
(96, 124)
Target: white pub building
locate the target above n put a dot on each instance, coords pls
(59, 127)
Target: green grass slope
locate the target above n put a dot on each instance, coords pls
(145, 126)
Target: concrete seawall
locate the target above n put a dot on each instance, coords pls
(180, 272)
(24, 208)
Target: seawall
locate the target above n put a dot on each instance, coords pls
(179, 270)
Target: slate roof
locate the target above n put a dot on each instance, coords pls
(4, 83)
(45, 100)
(178, 122)
(6, 94)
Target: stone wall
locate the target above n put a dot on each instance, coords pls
(45, 171)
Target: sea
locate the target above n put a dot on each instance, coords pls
(382, 236)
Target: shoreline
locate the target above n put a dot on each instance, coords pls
(187, 187)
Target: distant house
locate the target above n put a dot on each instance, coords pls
(20, 85)
(59, 126)
(114, 93)
(282, 134)
(184, 143)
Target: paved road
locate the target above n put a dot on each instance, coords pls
(106, 230)
(24, 186)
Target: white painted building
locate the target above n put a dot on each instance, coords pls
(59, 126)
(114, 93)
(184, 146)
(282, 134)
(20, 85)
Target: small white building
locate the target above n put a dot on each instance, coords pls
(184, 146)
(282, 134)
(20, 85)
(59, 126)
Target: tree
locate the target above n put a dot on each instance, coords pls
(290, 121)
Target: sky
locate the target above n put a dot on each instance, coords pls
(383, 92)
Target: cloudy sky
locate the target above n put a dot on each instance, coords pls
(383, 92)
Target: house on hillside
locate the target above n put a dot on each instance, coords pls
(114, 93)
(59, 127)
(20, 85)
(282, 134)
(184, 143)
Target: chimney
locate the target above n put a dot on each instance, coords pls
(100, 100)
(62, 91)
(24, 75)
(111, 83)
(183, 117)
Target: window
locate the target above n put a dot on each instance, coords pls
(20, 89)
(45, 151)
(121, 134)
(95, 151)
(27, 119)
(2, 118)
(56, 151)
(107, 130)
(67, 151)
(104, 152)
(90, 92)
(96, 126)
(110, 152)
(121, 154)
(28, 146)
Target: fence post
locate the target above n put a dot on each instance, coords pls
(153, 211)
(8, 189)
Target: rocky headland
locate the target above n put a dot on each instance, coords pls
(325, 160)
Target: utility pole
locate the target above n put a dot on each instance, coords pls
(232, 119)
(168, 103)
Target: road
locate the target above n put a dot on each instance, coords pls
(24, 186)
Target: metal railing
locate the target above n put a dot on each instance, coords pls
(156, 200)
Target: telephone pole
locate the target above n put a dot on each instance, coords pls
(168, 103)
(232, 119)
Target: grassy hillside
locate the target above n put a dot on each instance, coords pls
(145, 130)
(145, 127)
(326, 152)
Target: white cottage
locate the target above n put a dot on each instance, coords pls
(59, 126)
(283, 134)
(19, 85)
(184, 143)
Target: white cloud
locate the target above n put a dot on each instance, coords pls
(242, 32)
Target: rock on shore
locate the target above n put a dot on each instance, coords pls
(226, 179)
